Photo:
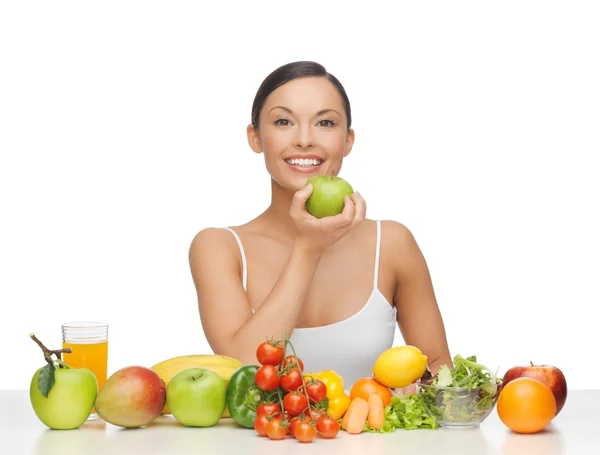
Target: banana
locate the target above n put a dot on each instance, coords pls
(223, 365)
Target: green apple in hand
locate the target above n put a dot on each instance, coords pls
(327, 197)
(62, 397)
(197, 397)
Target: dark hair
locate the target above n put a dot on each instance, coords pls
(292, 71)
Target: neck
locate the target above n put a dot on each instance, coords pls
(278, 212)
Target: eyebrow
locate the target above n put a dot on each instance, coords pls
(321, 112)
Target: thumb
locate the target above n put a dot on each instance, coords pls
(300, 197)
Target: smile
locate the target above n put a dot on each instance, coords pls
(302, 162)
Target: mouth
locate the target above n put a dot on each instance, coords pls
(304, 164)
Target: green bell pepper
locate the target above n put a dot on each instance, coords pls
(244, 396)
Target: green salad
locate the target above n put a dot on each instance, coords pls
(405, 412)
(465, 394)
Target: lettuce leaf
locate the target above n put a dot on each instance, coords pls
(405, 412)
(459, 398)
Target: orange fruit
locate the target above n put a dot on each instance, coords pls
(526, 405)
(366, 387)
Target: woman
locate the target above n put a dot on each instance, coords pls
(336, 285)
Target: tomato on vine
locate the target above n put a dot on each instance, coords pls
(293, 422)
(328, 427)
(292, 380)
(268, 409)
(275, 429)
(293, 362)
(269, 353)
(316, 389)
(295, 403)
(305, 431)
(312, 414)
(267, 378)
(260, 424)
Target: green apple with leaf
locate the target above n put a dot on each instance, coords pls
(62, 397)
(327, 197)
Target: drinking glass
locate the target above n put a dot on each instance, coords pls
(88, 342)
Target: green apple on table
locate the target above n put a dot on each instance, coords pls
(327, 197)
(197, 397)
(62, 397)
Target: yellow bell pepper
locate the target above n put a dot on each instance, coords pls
(337, 400)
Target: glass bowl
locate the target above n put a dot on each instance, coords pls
(459, 407)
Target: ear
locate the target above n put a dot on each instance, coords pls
(349, 142)
(254, 139)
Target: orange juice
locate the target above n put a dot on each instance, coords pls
(88, 355)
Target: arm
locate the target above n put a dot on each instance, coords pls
(229, 325)
(418, 314)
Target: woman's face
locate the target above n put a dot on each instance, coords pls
(302, 131)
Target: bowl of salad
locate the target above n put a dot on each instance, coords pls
(461, 397)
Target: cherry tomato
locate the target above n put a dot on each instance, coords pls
(292, 380)
(269, 353)
(327, 427)
(295, 403)
(305, 432)
(316, 390)
(294, 362)
(293, 422)
(260, 424)
(285, 416)
(268, 409)
(316, 415)
(275, 430)
(267, 378)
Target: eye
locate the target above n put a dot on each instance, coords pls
(326, 123)
(282, 122)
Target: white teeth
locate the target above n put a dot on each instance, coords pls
(304, 162)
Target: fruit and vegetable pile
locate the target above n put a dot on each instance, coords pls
(276, 398)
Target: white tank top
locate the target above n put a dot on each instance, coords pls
(351, 346)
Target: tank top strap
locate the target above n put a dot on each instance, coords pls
(377, 249)
(244, 266)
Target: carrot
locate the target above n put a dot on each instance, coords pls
(345, 418)
(356, 416)
(376, 417)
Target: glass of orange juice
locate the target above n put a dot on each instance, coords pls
(88, 342)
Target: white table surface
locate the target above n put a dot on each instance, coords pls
(576, 430)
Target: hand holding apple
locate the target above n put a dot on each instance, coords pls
(327, 198)
(62, 397)
(551, 376)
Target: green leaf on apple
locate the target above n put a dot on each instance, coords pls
(46, 379)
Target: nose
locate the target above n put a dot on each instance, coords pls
(304, 137)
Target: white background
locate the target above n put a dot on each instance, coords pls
(122, 134)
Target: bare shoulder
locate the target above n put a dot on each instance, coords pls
(213, 244)
(210, 238)
(398, 239)
(397, 234)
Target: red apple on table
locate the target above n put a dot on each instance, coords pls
(551, 376)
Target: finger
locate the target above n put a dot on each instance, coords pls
(360, 210)
(348, 212)
(300, 198)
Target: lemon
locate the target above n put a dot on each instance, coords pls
(399, 366)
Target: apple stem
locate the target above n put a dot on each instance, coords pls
(48, 352)
(531, 362)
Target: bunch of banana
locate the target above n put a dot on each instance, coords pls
(223, 365)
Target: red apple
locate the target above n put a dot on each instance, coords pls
(551, 376)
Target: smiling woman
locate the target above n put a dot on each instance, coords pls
(337, 285)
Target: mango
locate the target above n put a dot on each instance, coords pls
(132, 397)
